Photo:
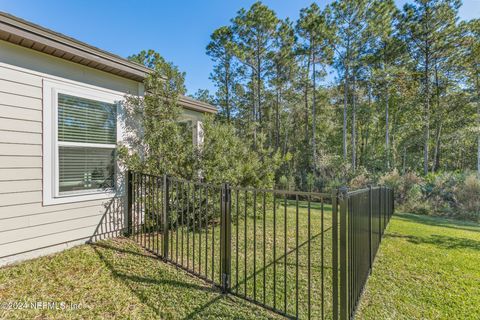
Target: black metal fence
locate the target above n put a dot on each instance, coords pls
(302, 255)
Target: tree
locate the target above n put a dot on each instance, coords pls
(317, 31)
(255, 31)
(224, 75)
(155, 142)
(204, 95)
(428, 26)
(351, 38)
(284, 68)
(471, 63)
(385, 51)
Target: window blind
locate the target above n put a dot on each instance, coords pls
(85, 120)
(83, 168)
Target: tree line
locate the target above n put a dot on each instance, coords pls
(357, 87)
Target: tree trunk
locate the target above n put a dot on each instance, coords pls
(478, 137)
(259, 81)
(306, 98)
(227, 91)
(478, 124)
(254, 111)
(438, 131)
(387, 128)
(367, 133)
(436, 156)
(387, 123)
(345, 105)
(314, 121)
(277, 120)
(354, 129)
(426, 111)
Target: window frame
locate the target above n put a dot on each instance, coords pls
(197, 130)
(51, 167)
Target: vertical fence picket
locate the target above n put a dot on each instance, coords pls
(226, 240)
(129, 218)
(165, 216)
(335, 251)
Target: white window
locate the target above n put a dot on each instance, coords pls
(81, 130)
(193, 131)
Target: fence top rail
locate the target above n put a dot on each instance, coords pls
(354, 192)
(285, 192)
(196, 183)
(321, 195)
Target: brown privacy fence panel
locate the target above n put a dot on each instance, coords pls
(302, 255)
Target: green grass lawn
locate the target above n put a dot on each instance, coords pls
(116, 279)
(426, 268)
(271, 281)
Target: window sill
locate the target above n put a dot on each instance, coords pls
(47, 201)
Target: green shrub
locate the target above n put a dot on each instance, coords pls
(361, 181)
(468, 195)
(450, 194)
(403, 186)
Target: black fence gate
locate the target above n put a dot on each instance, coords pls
(302, 255)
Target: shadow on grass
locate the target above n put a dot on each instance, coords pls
(279, 261)
(444, 242)
(145, 287)
(439, 222)
(121, 250)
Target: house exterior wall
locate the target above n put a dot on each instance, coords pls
(28, 228)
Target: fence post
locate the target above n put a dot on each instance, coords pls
(165, 216)
(385, 206)
(226, 237)
(129, 194)
(370, 203)
(380, 215)
(335, 253)
(343, 200)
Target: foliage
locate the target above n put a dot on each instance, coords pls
(155, 142)
(444, 193)
(225, 157)
(402, 76)
(468, 195)
(403, 107)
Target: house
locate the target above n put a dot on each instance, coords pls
(59, 124)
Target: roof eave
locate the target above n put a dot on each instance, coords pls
(24, 33)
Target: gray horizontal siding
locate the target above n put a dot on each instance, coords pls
(20, 89)
(9, 124)
(11, 112)
(56, 236)
(20, 174)
(15, 162)
(7, 187)
(15, 100)
(20, 137)
(25, 223)
(14, 198)
(24, 78)
(30, 209)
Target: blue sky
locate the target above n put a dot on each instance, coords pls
(178, 29)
